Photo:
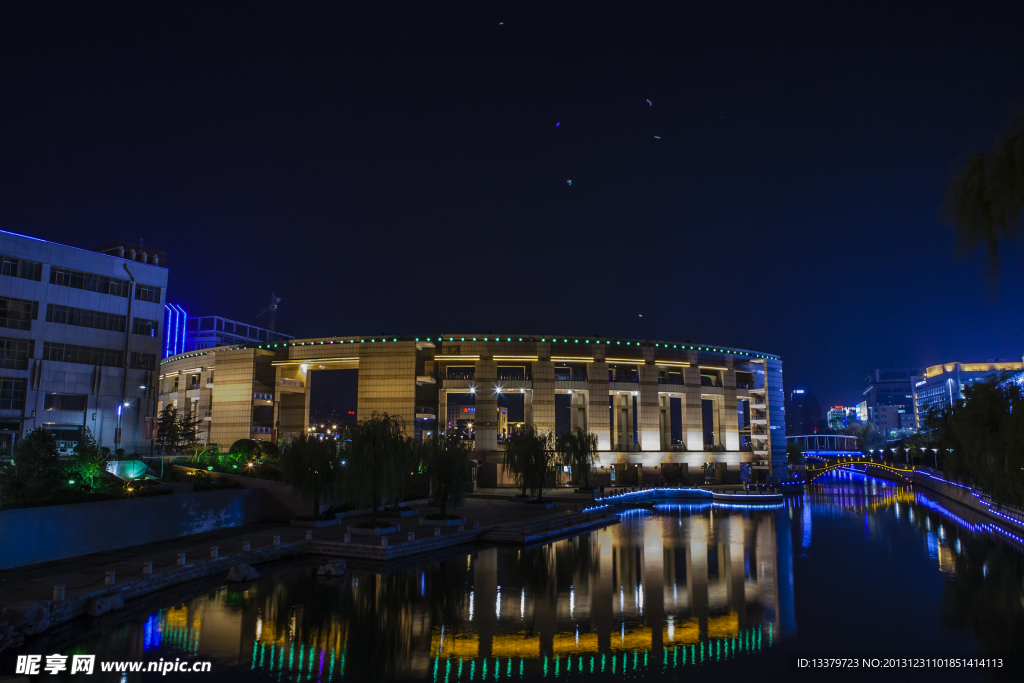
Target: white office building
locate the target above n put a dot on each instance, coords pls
(81, 333)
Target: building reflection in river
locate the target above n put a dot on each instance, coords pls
(682, 586)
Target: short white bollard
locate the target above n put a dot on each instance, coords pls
(58, 592)
(383, 540)
(437, 531)
(147, 568)
(109, 581)
(277, 540)
(412, 535)
(181, 559)
(347, 538)
(245, 546)
(309, 535)
(214, 552)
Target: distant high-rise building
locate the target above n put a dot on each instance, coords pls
(803, 413)
(888, 388)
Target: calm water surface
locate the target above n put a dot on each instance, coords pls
(854, 565)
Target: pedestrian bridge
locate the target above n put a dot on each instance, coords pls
(821, 465)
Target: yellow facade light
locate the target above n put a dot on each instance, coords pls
(713, 367)
(533, 359)
(572, 359)
(454, 357)
(308, 361)
(673, 363)
(637, 361)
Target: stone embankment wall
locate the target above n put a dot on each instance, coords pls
(933, 481)
(57, 532)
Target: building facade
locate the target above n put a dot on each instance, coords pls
(942, 385)
(725, 404)
(81, 334)
(803, 412)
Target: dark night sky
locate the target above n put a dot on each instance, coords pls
(396, 168)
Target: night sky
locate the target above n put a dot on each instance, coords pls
(397, 168)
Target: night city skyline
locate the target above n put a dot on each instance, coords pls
(797, 175)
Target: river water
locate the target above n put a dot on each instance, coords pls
(855, 565)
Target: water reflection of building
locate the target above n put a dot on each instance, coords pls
(697, 579)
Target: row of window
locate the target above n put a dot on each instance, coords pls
(81, 317)
(12, 393)
(19, 267)
(17, 314)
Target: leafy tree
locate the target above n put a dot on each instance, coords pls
(529, 457)
(577, 448)
(309, 464)
(794, 453)
(88, 460)
(376, 458)
(188, 432)
(447, 463)
(168, 431)
(37, 464)
(981, 439)
(986, 197)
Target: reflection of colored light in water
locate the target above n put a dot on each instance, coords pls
(437, 663)
(460, 668)
(602, 663)
(447, 670)
(472, 669)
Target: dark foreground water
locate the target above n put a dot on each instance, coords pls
(855, 565)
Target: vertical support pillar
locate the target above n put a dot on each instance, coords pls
(486, 422)
(544, 393)
(693, 416)
(647, 406)
(598, 415)
(730, 419)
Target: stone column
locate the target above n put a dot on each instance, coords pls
(647, 406)
(729, 421)
(544, 394)
(598, 415)
(693, 417)
(486, 422)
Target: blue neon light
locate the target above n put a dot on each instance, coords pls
(174, 330)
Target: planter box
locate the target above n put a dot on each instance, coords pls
(411, 512)
(314, 523)
(442, 522)
(379, 531)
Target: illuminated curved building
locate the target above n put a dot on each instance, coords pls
(659, 409)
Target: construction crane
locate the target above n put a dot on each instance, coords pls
(271, 311)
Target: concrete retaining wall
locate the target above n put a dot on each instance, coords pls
(1007, 518)
(279, 502)
(55, 532)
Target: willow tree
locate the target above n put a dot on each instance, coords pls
(447, 463)
(376, 461)
(529, 458)
(577, 448)
(310, 465)
(985, 200)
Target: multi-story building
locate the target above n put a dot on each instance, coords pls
(635, 395)
(210, 331)
(942, 385)
(81, 338)
(803, 413)
(890, 387)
